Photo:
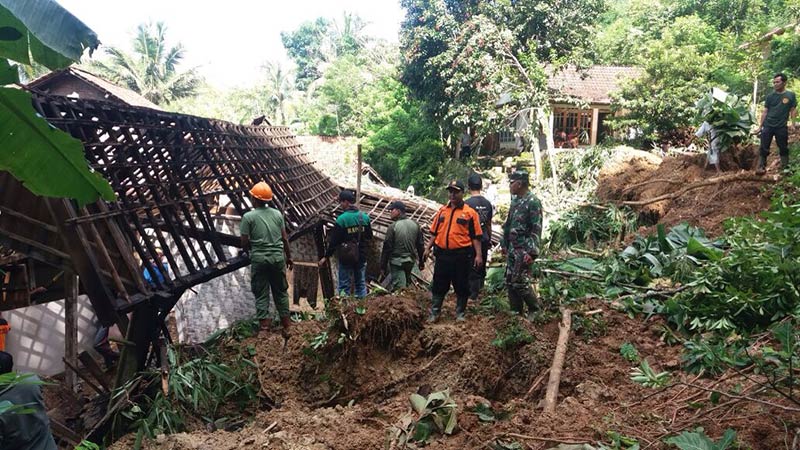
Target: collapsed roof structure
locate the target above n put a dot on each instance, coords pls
(175, 177)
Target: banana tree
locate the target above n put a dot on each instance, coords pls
(46, 160)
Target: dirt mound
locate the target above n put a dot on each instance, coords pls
(331, 399)
(634, 179)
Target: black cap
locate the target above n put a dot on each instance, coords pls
(397, 204)
(475, 181)
(519, 175)
(347, 196)
(457, 185)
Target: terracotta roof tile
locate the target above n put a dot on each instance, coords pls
(592, 85)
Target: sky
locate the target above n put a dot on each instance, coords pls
(228, 40)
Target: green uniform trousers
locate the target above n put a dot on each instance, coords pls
(265, 276)
(401, 275)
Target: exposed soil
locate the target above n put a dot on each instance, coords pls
(352, 394)
(633, 178)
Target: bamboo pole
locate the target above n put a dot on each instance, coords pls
(358, 178)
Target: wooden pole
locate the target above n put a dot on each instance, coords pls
(358, 178)
(71, 329)
(551, 395)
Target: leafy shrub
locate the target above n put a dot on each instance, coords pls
(513, 335)
(697, 440)
(647, 377)
(434, 413)
(629, 352)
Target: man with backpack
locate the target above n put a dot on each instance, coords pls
(349, 239)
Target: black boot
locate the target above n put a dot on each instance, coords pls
(784, 162)
(762, 165)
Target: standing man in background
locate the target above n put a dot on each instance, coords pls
(522, 234)
(402, 248)
(349, 239)
(485, 210)
(264, 235)
(779, 107)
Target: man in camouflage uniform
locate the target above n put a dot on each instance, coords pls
(522, 233)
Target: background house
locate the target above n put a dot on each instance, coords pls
(580, 104)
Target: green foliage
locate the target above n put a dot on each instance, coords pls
(87, 445)
(713, 356)
(486, 413)
(647, 377)
(9, 380)
(629, 352)
(697, 440)
(214, 389)
(591, 225)
(152, 68)
(42, 31)
(402, 143)
(434, 414)
(730, 118)
(512, 336)
(459, 58)
(47, 161)
(52, 163)
(620, 442)
(237, 331)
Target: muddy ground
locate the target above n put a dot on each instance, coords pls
(356, 394)
(638, 177)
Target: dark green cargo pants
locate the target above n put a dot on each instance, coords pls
(269, 276)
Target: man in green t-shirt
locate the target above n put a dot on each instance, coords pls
(402, 248)
(264, 236)
(779, 107)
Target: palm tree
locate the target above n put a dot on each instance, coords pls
(151, 70)
(279, 87)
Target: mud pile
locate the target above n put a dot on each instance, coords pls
(632, 177)
(350, 392)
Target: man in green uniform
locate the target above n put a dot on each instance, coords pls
(19, 430)
(522, 233)
(402, 248)
(779, 106)
(264, 236)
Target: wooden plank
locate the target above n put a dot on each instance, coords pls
(83, 377)
(61, 431)
(71, 328)
(595, 125)
(94, 369)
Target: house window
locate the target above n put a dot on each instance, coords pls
(507, 136)
(571, 127)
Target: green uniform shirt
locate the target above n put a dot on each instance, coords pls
(778, 107)
(263, 226)
(403, 236)
(523, 228)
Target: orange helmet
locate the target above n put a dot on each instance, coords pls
(262, 191)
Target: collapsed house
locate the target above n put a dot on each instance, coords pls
(181, 183)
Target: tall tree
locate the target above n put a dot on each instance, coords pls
(152, 68)
(482, 64)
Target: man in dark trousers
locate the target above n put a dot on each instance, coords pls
(484, 208)
(456, 236)
(23, 431)
(350, 236)
(264, 235)
(402, 248)
(779, 107)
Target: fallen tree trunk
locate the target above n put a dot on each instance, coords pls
(558, 361)
(709, 182)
